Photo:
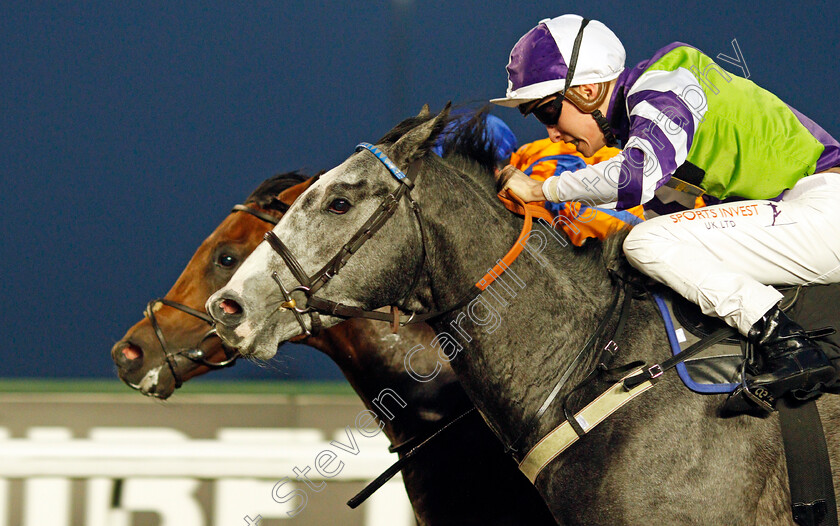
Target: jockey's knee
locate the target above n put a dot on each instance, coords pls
(643, 243)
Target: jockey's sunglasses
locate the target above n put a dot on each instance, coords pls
(549, 113)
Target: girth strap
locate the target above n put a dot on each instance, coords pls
(619, 394)
(564, 435)
(808, 464)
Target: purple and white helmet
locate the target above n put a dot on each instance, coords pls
(539, 62)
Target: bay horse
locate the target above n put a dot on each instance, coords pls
(462, 477)
(156, 362)
(665, 458)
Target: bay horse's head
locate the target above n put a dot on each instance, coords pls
(355, 240)
(174, 341)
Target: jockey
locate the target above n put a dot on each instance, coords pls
(691, 130)
(540, 160)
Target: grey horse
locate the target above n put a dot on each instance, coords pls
(461, 477)
(665, 458)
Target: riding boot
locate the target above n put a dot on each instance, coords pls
(786, 361)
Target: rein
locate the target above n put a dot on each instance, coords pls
(197, 354)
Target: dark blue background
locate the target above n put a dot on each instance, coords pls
(127, 132)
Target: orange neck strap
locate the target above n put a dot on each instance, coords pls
(515, 250)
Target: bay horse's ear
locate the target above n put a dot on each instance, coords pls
(289, 195)
(420, 139)
(425, 112)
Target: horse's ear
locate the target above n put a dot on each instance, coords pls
(424, 112)
(289, 195)
(420, 139)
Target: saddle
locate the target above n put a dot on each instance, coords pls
(716, 370)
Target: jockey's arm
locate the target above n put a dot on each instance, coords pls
(590, 184)
(661, 132)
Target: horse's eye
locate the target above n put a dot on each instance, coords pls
(226, 261)
(339, 206)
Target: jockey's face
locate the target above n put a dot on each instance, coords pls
(575, 126)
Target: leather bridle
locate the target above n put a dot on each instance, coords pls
(197, 354)
(309, 285)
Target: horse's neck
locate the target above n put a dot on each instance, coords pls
(515, 348)
(372, 359)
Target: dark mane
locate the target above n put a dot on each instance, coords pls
(470, 137)
(469, 145)
(462, 133)
(265, 196)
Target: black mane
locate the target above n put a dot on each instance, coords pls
(471, 138)
(265, 196)
(462, 134)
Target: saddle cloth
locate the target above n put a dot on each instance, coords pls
(716, 370)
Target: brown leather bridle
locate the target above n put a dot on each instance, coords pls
(197, 354)
(309, 285)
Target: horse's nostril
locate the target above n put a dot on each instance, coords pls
(226, 309)
(131, 352)
(230, 307)
(128, 357)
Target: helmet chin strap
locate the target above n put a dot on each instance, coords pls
(609, 138)
(591, 107)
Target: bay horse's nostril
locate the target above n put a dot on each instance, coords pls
(127, 356)
(230, 306)
(132, 352)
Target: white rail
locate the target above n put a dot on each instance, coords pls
(163, 453)
(212, 459)
(161, 467)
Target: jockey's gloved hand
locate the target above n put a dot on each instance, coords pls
(513, 179)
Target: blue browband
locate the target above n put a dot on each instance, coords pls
(389, 164)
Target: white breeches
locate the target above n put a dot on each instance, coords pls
(723, 257)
